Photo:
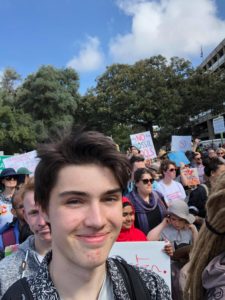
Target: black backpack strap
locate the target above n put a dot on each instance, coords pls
(20, 290)
(135, 286)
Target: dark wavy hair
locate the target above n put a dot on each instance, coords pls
(79, 147)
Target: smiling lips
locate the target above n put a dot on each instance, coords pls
(94, 238)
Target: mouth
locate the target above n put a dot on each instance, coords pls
(93, 238)
(44, 231)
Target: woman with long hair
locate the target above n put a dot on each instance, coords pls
(207, 263)
(150, 207)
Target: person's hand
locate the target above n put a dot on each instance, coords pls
(166, 221)
(168, 249)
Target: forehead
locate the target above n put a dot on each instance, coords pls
(146, 175)
(28, 201)
(86, 178)
(127, 208)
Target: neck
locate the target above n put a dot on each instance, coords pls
(79, 283)
(41, 246)
(8, 191)
(145, 197)
(167, 180)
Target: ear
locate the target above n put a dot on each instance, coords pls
(25, 217)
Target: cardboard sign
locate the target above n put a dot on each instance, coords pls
(218, 125)
(181, 143)
(143, 141)
(178, 157)
(191, 176)
(148, 255)
(28, 160)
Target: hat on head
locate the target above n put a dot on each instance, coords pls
(162, 153)
(180, 209)
(23, 171)
(154, 167)
(8, 172)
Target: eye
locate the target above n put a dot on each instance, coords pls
(111, 199)
(73, 201)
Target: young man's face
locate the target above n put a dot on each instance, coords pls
(34, 218)
(85, 213)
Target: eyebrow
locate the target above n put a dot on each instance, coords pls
(79, 193)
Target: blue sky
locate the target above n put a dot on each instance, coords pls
(88, 35)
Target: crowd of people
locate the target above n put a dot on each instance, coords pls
(58, 225)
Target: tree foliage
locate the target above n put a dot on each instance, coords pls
(50, 95)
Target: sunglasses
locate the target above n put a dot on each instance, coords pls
(198, 158)
(8, 178)
(219, 152)
(146, 181)
(172, 170)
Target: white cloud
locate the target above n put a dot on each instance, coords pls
(167, 27)
(90, 57)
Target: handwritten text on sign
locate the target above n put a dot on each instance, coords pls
(148, 255)
(143, 141)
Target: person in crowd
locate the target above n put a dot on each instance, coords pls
(220, 152)
(129, 233)
(136, 162)
(149, 205)
(162, 155)
(178, 229)
(27, 259)
(8, 178)
(211, 153)
(134, 151)
(17, 231)
(207, 261)
(167, 186)
(197, 163)
(85, 220)
(198, 197)
(23, 175)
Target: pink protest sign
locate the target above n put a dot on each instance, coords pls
(143, 141)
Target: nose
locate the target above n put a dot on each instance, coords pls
(95, 216)
(41, 220)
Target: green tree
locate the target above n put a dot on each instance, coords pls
(8, 86)
(144, 94)
(50, 95)
(17, 131)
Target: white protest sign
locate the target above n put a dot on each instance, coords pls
(149, 255)
(143, 141)
(28, 160)
(181, 143)
(218, 125)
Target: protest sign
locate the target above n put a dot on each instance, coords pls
(191, 176)
(2, 166)
(178, 157)
(27, 160)
(143, 141)
(149, 255)
(181, 143)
